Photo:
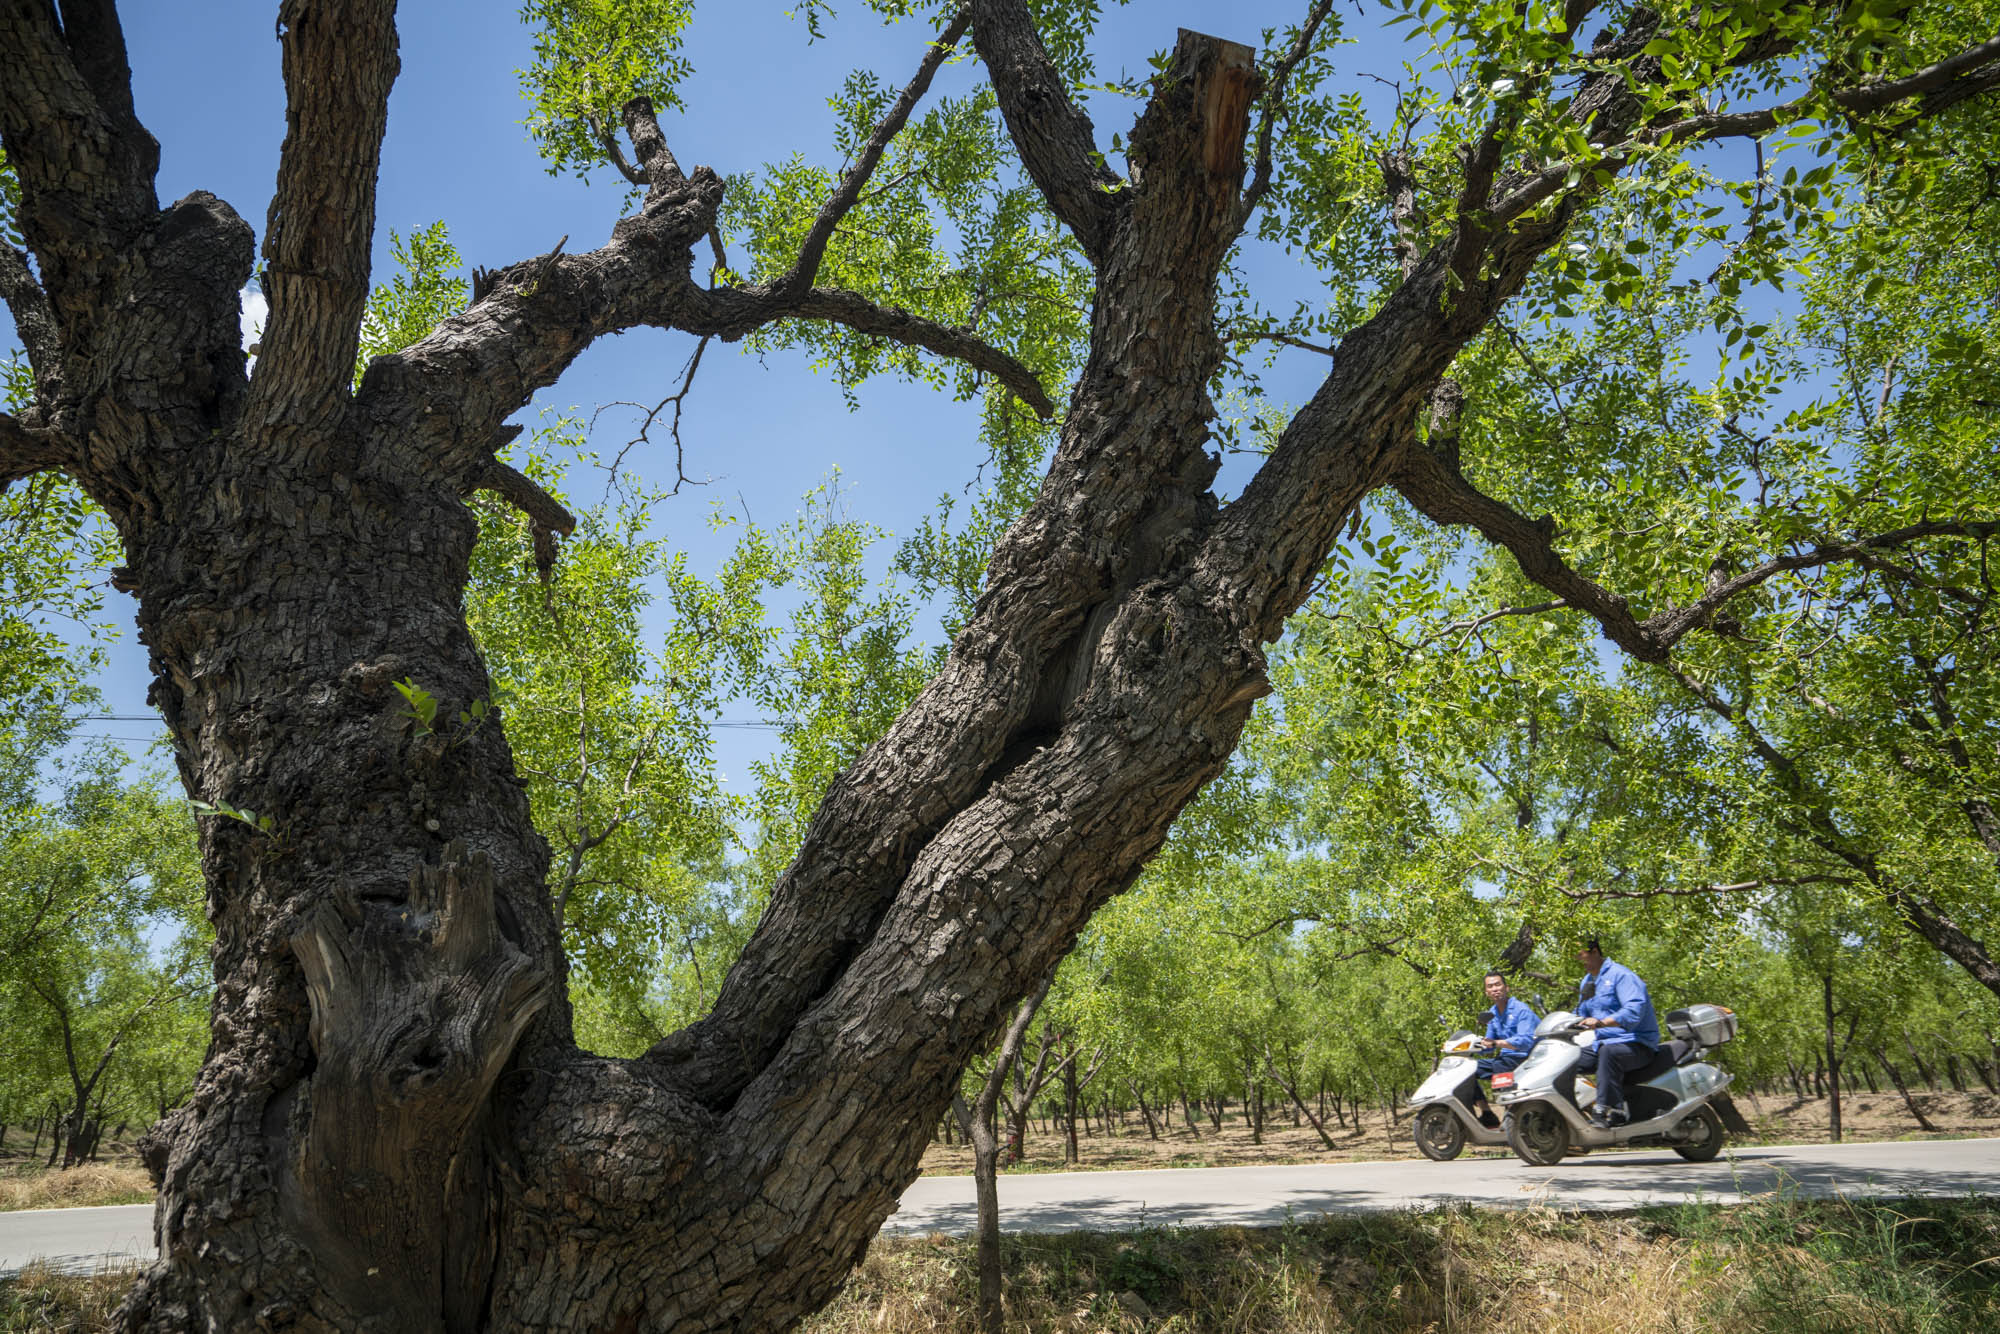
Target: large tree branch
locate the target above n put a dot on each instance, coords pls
(800, 276)
(26, 450)
(1030, 699)
(34, 323)
(1058, 147)
(735, 312)
(447, 395)
(339, 64)
(1440, 491)
(85, 165)
(1934, 89)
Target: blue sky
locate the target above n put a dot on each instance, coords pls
(764, 430)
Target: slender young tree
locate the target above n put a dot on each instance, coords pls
(394, 1128)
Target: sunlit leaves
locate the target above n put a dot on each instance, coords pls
(426, 288)
(591, 57)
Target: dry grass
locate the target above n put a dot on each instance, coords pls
(1864, 1117)
(1823, 1267)
(1792, 1265)
(42, 1301)
(92, 1183)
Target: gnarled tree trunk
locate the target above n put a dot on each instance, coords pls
(394, 1129)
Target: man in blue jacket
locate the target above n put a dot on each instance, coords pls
(1612, 1000)
(1510, 1032)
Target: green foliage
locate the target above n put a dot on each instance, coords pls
(52, 542)
(102, 935)
(591, 57)
(609, 732)
(426, 289)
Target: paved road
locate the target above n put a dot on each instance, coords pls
(1266, 1196)
(87, 1239)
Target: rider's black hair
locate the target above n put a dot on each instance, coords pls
(1493, 972)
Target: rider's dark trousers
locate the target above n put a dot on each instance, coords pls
(1470, 1092)
(1614, 1062)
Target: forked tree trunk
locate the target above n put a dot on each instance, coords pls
(394, 1129)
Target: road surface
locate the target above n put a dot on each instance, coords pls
(83, 1240)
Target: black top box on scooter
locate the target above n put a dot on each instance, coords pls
(1710, 1025)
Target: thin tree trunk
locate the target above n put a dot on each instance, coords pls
(1909, 1102)
(1832, 1058)
(1291, 1091)
(1924, 1069)
(1139, 1097)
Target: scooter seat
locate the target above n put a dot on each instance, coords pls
(1684, 1051)
(1664, 1059)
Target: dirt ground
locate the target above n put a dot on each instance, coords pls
(1865, 1116)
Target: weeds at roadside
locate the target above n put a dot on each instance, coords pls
(1780, 1265)
(38, 1300)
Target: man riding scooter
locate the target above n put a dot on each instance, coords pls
(1510, 1032)
(1614, 1001)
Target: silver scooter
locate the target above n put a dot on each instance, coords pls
(1676, 1100)
(1444, 1124)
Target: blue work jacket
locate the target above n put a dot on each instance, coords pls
(1513, 1026)
(1621, 997)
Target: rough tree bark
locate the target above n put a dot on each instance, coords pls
(394, 1129)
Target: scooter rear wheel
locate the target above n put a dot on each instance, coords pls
(1705, 1136)
(1538, 1135)
(1440, 1135)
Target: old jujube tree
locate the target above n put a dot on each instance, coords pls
(394, 1128)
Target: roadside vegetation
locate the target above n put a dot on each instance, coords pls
(1888, 1267)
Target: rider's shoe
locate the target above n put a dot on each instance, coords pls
(1605, 1118)
(1487, 1119)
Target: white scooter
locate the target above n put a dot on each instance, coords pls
(1445, 1124)
(1676, 1099)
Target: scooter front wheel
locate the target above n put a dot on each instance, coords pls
(1538, 1135)
(1440, 1135)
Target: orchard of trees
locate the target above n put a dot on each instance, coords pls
(1625, 573)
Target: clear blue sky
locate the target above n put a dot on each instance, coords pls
(765, 430)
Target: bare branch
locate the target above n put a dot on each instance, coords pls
(1054, 137)
(1702, 891)
(1271, 337)
(1440, 491)
(1274, 105)
(678, 401)
(844, 196)
(443, 397)
(615, 150)
(1465, 629)
(1673, 625)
